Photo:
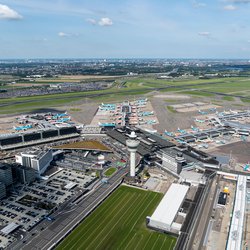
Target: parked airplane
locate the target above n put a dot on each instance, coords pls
(151, 121)
(23, 127)
(246, 167)
(169, 133)
(111, 124)
(182, 131)
(199, 120)
(181, 141)
(195, 128)
(202, 112)
(213, 109)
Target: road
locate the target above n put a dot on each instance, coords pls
(67, 220)
(206, 215)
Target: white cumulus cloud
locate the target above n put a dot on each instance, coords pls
(8, 13)
(104, 21)
(230, 7)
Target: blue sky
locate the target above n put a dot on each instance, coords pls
(127, 28)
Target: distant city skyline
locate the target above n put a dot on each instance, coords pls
(125, 29)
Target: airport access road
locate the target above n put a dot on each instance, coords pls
(65, 222)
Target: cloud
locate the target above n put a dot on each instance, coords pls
(230, 7)
(198, 4)
(63, 34)
(105, 21)
(205, 34)
(8, 13)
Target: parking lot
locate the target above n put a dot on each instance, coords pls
(29, 204)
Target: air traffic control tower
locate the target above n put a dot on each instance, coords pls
(132, 145)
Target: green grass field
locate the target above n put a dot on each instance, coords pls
(133, 87)
(109, 171)
(119, 223)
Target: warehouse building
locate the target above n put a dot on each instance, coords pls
(165, 217)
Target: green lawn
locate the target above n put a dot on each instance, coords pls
(119, 223)
(109, 171)
(171, 109)
(228, 98)
(134, 87)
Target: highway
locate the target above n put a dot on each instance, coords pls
(47, 234)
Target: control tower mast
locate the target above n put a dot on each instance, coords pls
(132, 145)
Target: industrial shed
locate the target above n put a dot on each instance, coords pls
(166, 212)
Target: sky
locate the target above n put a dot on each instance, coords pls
(125, 29)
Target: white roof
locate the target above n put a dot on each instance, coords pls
(9, 228)
(170, 204)
(234, 241)
(70, 185)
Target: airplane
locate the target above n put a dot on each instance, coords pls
(64, 120)
(202, 112)
(195, 128)
(169, 133)
(106, 108)
(23, 127)
(212, 109)
(182, 131)
(108, 105)
(220, 142)
(111, 124)
(181, 141)
(246, 167)
(233, 112)
(151, 122)
(199, 120)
